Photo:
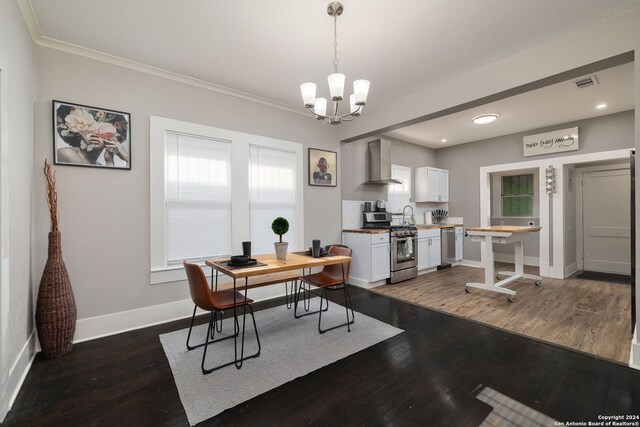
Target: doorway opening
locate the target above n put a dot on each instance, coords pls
(603, 220)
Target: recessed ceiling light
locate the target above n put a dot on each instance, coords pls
(443, 140)
(601, 106)
(484, 119)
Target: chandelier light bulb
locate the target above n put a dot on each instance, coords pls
(321, 107)
(336, 86)
(361, 90)
(308, 94)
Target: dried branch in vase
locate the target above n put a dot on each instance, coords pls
(52, 194)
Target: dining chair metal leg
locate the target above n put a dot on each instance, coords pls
(217, 328)
(235, 361)
(210, 332)
(239, 361)
(347, 306)
(297, 300)
(195, 307)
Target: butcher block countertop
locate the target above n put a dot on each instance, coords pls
(386, 230)
(367, 230)
(505, 229)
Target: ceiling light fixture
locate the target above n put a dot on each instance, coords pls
(601, 106)
(483, 119)
(357, 100)
(443, 140)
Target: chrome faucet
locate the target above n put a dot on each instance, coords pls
(404, 221)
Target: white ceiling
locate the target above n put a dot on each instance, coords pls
(267, 48)
(547, 106)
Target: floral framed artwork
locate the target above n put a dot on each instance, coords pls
(323, 171)
(91, 136)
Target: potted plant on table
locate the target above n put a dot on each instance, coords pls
(280, 226)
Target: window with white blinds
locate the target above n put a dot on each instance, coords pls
(197, 197)
(272, 193)
(399, 194)
(212, 189)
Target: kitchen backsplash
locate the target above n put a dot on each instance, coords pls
(352, 214)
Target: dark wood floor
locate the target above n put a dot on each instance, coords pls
(428, 375)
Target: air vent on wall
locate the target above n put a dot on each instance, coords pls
(583, 82)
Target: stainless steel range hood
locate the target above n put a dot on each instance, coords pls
(379, 153)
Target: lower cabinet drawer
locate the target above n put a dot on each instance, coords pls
(379, 238)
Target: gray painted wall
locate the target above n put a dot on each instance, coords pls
(611, 132)
(104, 214)
(354, 166)
(17, 74)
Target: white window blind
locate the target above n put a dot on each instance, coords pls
(272, 193)
(198, 197)
(399, 194)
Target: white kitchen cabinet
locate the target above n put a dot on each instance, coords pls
(435, 252)
(443, 185)
(429, 248)
(423, 253)
(459, 243)
(432, 185)
(380, 262)
(370, 260)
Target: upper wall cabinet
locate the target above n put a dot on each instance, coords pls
(432, 185)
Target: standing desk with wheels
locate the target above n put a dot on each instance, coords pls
(502, 234)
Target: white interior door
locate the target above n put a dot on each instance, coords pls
(606, 221)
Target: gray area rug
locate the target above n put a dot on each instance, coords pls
(291, 348)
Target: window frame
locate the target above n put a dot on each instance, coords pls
(390, 193)
(511, 196)
(160, 270)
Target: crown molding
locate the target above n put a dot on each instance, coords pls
(29, 16)
(39, 39)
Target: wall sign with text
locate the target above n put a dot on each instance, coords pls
(551, 142)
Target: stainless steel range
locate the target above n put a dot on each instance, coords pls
(404, 245)
(404, 253)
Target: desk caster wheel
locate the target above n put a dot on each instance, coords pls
(538, 282)
(499, 276)
(467, 289)
(511, 298)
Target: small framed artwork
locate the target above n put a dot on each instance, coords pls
(323, 170)
(91, 136)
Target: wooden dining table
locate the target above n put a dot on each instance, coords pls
(270, 267)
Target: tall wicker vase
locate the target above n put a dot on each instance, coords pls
(56, 308)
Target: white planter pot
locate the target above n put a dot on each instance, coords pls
(281, 250)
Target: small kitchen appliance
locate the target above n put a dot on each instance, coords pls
(381, 206)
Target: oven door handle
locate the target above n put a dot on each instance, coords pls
(403, 239)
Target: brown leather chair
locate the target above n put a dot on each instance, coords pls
(329, 277)
(215, 302)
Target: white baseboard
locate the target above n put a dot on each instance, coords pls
(570, 269)
(511, 258)
(114, 323)
(109, 324)
(364, 284)
(634, 355)
(17, 374)
(427, 270)
(470, 263)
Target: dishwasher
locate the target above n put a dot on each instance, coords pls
(448, 247)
